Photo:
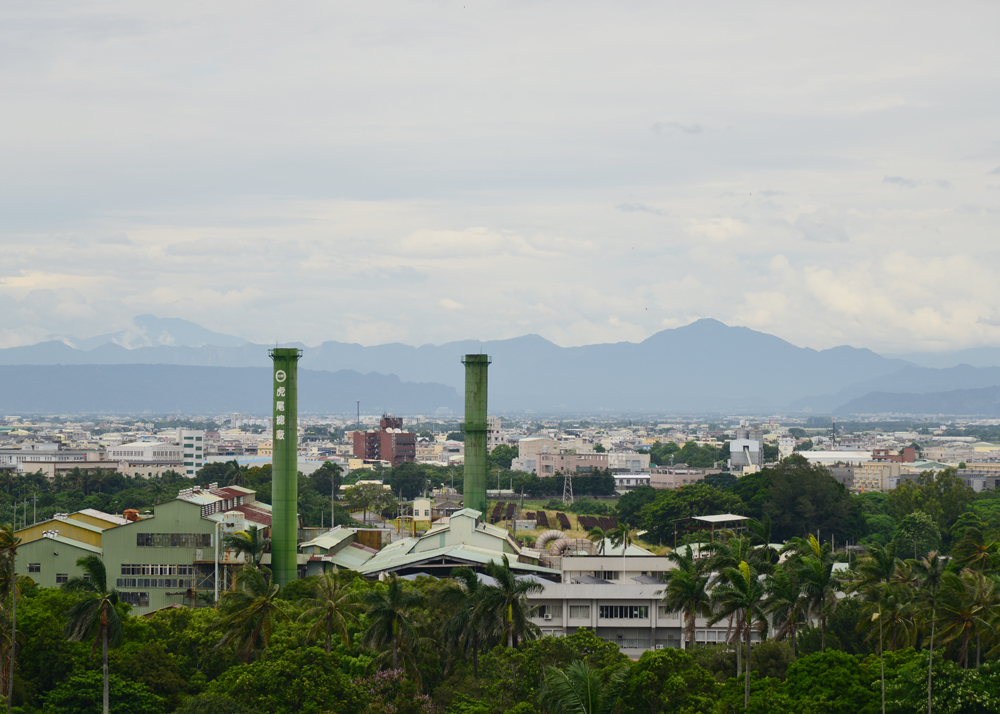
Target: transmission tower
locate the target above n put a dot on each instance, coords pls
(567, 488)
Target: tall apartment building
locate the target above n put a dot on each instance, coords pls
(493, 433)
(390, 443)
(192, 444)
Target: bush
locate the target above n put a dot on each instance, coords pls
(589, 506)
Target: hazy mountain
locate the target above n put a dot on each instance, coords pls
(151, 331)
(975, 357)
(57, 389)
(704, 366)
(960, 402)
(908, 380)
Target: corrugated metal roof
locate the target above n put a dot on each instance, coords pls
(389, 560)
(69, 541)
(352, 557)
(330, 538)
(93, 513)
(259, 513)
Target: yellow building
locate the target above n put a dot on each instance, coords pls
(86, 526)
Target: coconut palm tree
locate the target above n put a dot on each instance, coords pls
(598, 536)
(813, 562)
(465, 628)
(580, 689)
(622, 536)
(250, 612)
(8, 554)
(784, 603)
(877, 567)
(961, 611)
(743, 593)
(504, 607)
(978, 550)
(930, 571)
(686, 589)
(333, 606)
(250, 543)
(95, 613)
(388, 612)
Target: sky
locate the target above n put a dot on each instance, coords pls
(422, 172)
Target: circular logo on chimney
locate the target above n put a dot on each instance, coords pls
(279, 376)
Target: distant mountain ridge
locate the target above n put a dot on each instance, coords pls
(703, 367)
(984, 401)
(161, 389)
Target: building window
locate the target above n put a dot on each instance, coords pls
(549, 611)
(579, 611)
(173, 540)
(135, 599)
(34, 567)
(663, 611)
(609, 574)
(61, 578)
(623, 612)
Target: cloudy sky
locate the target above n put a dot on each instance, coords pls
(429, 171)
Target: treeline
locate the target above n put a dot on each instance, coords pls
(341, 643)
(927, 514)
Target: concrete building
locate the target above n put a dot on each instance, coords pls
(528, 450)
(140, 451)
(43, 456)
(747, 448)
(876, 476)
(390, 443)
(630, 461)
(551, 464)
(629, 481)
(494, 435)
(192, 444)
(678, 475)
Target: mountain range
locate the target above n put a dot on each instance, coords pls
(699, 368)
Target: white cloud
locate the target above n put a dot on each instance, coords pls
(355, 173)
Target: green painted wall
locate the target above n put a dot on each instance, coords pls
(53, 557)
(284, 469)
(475, 428)
(174, 517)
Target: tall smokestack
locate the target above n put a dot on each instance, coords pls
(285, 465)
(475, 428)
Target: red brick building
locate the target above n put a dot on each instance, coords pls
(390, 443)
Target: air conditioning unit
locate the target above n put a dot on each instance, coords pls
(547, 617)
(659, 647)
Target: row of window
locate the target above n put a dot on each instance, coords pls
(157, 569)
(135, 599)
(606, 611)
(155, 583)
(623, 612)
(37, 568)
(173, 540)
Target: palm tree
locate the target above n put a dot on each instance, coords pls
(388, 611)
(961, 610)
(622, 536)
(930, 572)
(8, 555)
(157, 490)
(877, 567)
(250, 542)
(95, 613)
(743, 593)
(505, 606)
(465, 627)
(978, 549)
(813, 562)
(579, 689)
(598, 536)
(784, 603)
(333, 606)
(250, 612)
(686, 589)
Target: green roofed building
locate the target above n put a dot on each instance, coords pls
(464, 540)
